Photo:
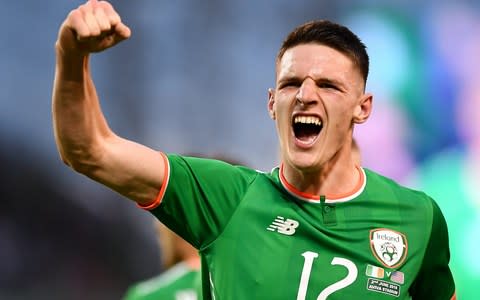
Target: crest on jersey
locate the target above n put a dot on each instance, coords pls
(388, 246)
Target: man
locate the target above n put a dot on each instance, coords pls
(317, 227)
(181, 279)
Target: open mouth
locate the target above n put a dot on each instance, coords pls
(307, 128)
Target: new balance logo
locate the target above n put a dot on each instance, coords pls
(283, 226)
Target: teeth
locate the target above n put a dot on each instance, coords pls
(307, 120)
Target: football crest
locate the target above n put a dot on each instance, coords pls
(388, 246)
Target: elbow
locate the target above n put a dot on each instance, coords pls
(84, 162)
(72, 163)
(65, 160)
(63, 156)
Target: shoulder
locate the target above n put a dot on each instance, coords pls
(206, 163)
(415, 202)
(381, 186)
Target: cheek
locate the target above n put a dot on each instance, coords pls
(341, 117)
(282, 106)
(336, 107)
(282, 119)
(342, 108)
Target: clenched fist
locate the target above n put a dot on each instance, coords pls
(92, 27)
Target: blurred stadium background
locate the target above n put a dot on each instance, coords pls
(194, 78)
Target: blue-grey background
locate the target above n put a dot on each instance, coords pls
(194, 78)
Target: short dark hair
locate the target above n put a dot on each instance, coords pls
(332, 35)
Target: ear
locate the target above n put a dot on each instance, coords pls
(271, 103)
(363, 109)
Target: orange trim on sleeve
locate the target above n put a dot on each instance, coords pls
(158, 199)
(454, 297)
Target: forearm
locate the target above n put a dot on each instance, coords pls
(78, 122)
(86, 143)
(84, 140)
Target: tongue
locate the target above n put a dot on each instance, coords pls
(306, 136)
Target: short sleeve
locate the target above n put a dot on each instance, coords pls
(201, 196)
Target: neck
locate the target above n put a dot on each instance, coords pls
(332, 184)
(339, 176)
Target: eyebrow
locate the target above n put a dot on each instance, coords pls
(331, 81)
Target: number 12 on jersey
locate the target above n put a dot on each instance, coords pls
(309, 257)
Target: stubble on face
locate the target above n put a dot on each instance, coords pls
(332, 84)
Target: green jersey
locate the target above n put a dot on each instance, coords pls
(260, 238)
(180, 282)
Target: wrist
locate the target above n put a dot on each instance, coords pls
(69, 54)
(71, 64)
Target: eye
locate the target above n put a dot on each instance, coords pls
(289, 84)
(327, 85)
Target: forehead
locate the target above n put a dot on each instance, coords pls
(315, 60)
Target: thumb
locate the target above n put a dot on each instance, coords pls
(122, 32)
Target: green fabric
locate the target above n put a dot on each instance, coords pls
(259, 241)
(178, 283)
(448, 177)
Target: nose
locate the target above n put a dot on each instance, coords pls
(307, 93)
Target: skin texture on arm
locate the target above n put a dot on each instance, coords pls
(84, 140)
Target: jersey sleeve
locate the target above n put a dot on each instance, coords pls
(201, 196)
(434, 280)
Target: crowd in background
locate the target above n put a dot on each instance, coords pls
(194, 78)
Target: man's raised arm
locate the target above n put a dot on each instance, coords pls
(84, 140)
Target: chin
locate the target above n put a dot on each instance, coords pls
(303, 162)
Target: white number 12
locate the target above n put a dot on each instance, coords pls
(309, 256)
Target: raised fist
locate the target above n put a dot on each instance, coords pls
(92, 27)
